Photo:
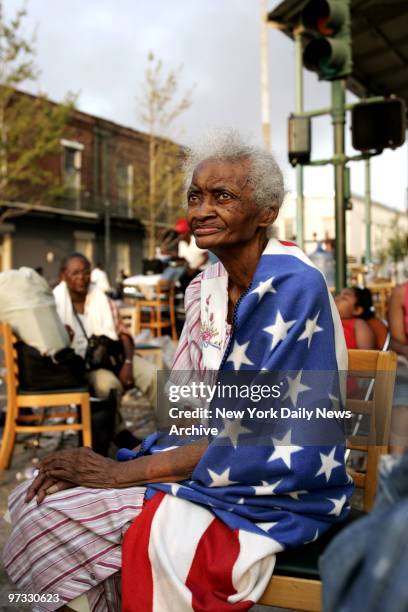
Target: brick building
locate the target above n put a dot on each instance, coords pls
(96, 216)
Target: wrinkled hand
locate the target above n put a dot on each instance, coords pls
(74, 466)
(42, 486)
(126, 376)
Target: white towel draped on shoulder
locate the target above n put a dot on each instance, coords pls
(98, 318)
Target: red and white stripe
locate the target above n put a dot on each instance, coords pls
(180, 557)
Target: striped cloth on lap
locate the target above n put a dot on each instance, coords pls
(71, 544)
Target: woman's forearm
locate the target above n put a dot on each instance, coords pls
(399, 347)
(168, 466)
(128, 345)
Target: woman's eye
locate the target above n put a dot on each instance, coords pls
(224, 196)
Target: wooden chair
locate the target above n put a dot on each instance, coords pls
(40, 401)
(159, 311)
(144, 349)
(296, 582)
(381, 293)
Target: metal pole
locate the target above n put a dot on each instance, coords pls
(368, 210)
(266, 125)
(152, 197)
(338, 121)
(106, 202)
(107, 245)
(300, 205)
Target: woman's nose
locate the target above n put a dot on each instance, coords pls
(205, 207)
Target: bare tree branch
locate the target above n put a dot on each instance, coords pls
(158, 186)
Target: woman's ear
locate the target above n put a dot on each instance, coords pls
(358, 310)
(268, 216)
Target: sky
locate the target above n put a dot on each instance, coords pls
(99, 48)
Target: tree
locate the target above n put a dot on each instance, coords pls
(398, 243)
(31, 127)
(158, 185)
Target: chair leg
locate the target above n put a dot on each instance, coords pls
(8, 440)
(136, 320)
(159, 321)
(173, 323)
(86, 421)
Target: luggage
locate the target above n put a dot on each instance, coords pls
(28, 305)
(36, 372)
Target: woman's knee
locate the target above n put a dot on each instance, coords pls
(104, 383)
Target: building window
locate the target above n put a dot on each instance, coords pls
(71, 170)
(84, 243)
(124, 179)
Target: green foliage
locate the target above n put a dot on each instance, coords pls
(31, 127)
(159, 184)
(398, 243)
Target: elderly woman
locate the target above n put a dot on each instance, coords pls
(204, 519)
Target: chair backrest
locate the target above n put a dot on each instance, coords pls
(164, 290)
(379, 366)
(381, 293)
(162, 293)
(7, 340)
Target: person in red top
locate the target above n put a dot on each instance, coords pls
(398, 320)
(355, 308)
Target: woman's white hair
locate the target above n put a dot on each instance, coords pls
(228, 144)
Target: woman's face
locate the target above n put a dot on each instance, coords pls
(346, 302)
(221, 207)
(77, 275)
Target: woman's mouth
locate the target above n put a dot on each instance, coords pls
(206, 230)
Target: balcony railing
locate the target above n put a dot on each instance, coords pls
(87, 203)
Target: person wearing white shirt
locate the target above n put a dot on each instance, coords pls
(100, 279)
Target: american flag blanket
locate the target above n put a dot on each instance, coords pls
(264, 483)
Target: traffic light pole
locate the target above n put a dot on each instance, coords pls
(338, 120)
(368, 210)
(299, 109)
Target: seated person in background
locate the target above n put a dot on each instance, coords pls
(100, 279)
(168, 248)
(86, 310)
(355, 308)
(174, 267)
(193, 258)
(398, 320)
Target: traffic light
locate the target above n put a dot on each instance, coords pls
(378, 125)
(327, 26)
(299, 140)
